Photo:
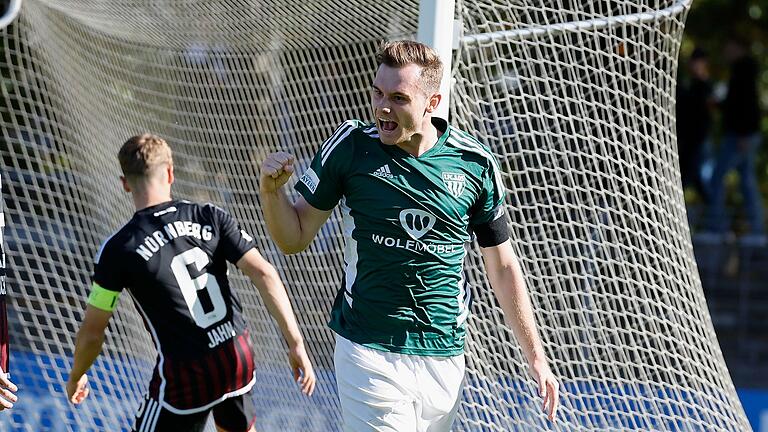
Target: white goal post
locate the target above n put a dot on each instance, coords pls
(574, 97)
(10, 13)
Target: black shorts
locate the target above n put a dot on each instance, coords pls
(236, 414)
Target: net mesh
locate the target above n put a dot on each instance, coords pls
(574, 97)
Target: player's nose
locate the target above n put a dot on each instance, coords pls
(380, 106)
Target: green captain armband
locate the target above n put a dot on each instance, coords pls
(103, 298)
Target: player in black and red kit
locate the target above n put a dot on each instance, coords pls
(172, 258)
(7, 388)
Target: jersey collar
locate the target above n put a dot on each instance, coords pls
(442, 126)
(157, 207)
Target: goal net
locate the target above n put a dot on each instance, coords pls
(576, 99)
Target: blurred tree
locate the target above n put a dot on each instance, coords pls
(709, 25)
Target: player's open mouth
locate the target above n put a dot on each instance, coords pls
(387, 126)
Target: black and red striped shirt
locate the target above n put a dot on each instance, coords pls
(3, 311)
(172, 258)
(3, 329)
(190, 385)
(3, 323)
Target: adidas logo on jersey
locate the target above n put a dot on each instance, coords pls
(383, 172)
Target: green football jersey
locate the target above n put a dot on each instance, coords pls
(406, 222)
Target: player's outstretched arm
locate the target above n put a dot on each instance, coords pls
(506, 278)
(7, 391)
(90, 339)
(293, 226)
(272, 292)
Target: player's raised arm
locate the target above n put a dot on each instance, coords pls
(90, 339)
(508, 285)
(293, 226)
(272, 292)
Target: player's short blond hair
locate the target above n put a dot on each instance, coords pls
(143, 155)
(398, 54)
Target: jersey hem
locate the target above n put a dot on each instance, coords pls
(402, 350)
(243, 390)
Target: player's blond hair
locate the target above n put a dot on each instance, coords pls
(142, 156)
(401, 53)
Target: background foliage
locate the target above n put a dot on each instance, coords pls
(709, 25)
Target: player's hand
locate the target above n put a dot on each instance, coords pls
(78, 390)
(7, 391)
(303, 373)
(549, 388)
(276, 169)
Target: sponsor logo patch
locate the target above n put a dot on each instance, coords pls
(416, 222)
(310, 180)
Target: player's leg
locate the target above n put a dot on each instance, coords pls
(236, 414)
(440, 381)
(375, 389)
(153, 417)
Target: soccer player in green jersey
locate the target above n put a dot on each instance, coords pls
(411, 190)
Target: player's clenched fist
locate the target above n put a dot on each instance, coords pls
(276, 169)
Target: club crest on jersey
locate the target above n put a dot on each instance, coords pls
(455, 183)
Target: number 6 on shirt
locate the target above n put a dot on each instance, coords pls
(190, 287)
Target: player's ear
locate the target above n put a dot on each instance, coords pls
(126, 186)
(171, 178)
(434, 102)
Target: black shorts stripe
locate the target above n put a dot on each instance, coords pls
(145, 421)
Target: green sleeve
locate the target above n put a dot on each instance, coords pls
(322, 183)
(490, 204)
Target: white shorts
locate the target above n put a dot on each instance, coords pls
(390, 392)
